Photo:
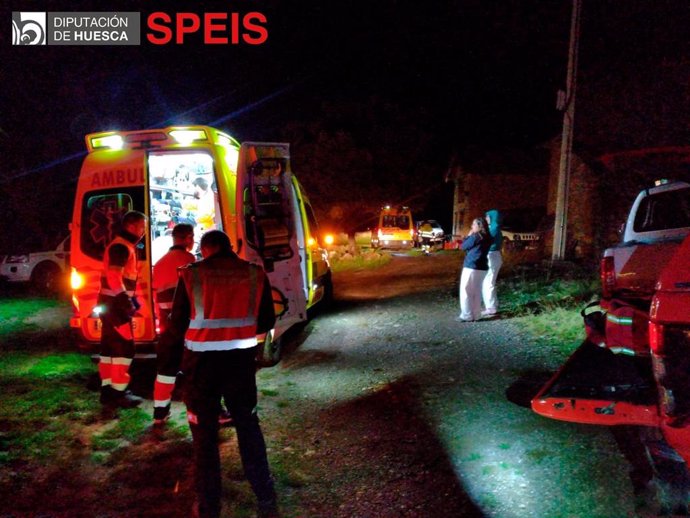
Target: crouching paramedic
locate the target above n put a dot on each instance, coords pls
(221, 303)
(165, 277)
(117, 300)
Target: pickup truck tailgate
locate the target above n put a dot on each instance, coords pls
(596, 386)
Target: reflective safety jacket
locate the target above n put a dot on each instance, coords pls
(228, 302)
(165, 277)
(120, 253)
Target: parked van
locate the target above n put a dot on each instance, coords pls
(201, 176)
(395, 229)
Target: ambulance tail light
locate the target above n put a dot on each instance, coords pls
(411, 233)
(76, 280)
(608, 277)
(656, 337)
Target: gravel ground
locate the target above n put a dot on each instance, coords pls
(393, 408)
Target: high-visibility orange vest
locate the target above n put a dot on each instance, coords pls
(165, 274)
(129, 273)
(225, 296)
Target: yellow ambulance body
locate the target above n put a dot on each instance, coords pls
(250, 194)
(395, 229)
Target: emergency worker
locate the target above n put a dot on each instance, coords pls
(221, 303)
(425, 232)
(165, 277)
(204, 204)
(119, 304)
(493, 220)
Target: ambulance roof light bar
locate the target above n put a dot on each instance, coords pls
(179, 135)
(187, 136)
(106, 141)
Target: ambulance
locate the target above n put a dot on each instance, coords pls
(201, 176)
(395, 229)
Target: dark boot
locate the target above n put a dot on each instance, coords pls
(107, 395)
(125, 399)
(160, 415)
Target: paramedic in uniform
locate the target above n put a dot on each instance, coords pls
(221, 303)
(118, 302)
(165, 277)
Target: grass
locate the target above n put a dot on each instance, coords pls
(14, 311)
(359, 262)
(43, 397)
(548, 308)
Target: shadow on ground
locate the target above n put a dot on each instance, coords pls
(384, 437)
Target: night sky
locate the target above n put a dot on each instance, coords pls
(450, 75)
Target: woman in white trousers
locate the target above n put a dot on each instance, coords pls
(476, 246)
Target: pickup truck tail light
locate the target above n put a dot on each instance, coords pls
(656, 337)
(608, 277)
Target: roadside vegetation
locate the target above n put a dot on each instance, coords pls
(546, 301)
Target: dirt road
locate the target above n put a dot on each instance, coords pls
(393, 408)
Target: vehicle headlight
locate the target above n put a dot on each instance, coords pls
(17, 259)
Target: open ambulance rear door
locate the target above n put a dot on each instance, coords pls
(271, 230)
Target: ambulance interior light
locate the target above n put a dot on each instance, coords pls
(114, 142)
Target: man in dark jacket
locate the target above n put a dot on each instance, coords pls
(221, 303)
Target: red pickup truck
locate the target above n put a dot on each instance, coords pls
(634, 366)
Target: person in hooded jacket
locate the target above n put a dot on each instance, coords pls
(476, 246)
(495, 260)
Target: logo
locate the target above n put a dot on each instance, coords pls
(28, 28)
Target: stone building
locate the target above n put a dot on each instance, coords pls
(600, 194)
(513, 181)
(522, 185)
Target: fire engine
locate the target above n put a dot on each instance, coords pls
(251, 194)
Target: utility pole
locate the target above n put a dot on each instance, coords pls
(567, 104)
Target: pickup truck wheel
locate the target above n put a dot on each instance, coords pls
(46, 277)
